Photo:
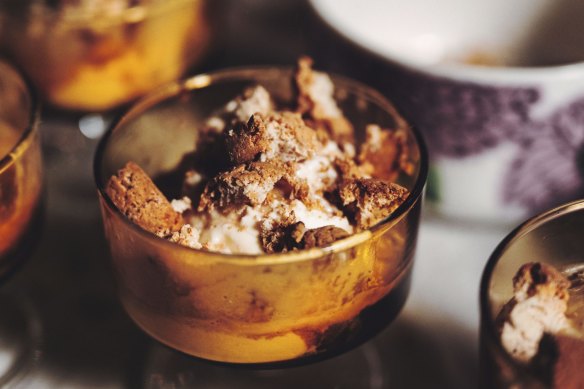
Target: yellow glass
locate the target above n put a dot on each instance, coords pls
(21, 178)
(254, 309)
(554, 238)
(96, 59)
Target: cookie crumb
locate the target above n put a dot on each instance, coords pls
(385, 153)
(296, 237)
(368, 200)
(539, 305)
(315, 101)
(187, 236)
(246, 184)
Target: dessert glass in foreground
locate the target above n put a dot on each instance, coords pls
(95, 55)
(254, 309)
(548, 298)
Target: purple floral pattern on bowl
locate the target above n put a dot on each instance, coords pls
(461, 121)
(548, 168)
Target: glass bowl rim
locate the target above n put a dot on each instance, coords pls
(8, 159)
(241, 73)
(487, 320)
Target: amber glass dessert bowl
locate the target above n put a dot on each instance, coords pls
(532, 304)
(267, 309)
(92, 55)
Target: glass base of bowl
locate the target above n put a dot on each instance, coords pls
(20, 339)
(166, 368)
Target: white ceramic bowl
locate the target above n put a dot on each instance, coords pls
(495, 86)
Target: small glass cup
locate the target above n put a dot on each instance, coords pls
(267, 310)
(94, 56)
(554, 238)
(21, 209)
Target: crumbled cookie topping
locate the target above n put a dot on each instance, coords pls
(538, 307)
(281, 135)
(187, 236)
(297, 237)
(385, 153)
(541, 326)
(282, 180)
(245, 184)
(369, 200)
(317, 104)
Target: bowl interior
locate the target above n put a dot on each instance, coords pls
(161, 130)
(519, 33)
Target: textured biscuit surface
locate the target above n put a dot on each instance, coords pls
(136, 196)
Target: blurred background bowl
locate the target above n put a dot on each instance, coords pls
(496, 87)
(93, 55)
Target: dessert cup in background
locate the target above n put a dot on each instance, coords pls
(496, 88)
(21, 205)
(552, 238)
(262, 310)
(21, 177)
(95, 55)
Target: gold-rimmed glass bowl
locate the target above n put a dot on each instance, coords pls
(554, 238)
(267, 309)
(96, 55)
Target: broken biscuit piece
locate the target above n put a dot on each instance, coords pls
(282, 238)
(369, 200)
(323, 236)
(538, 307)
(279, 135)
(245, 141)
(246, 184)
(137, 197)
(317, 104)
(385, 153)
(297, 237)
(253, 100)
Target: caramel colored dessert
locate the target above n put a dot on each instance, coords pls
(542, 327)
(20, 191)
(95, 55)
(269, 188)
